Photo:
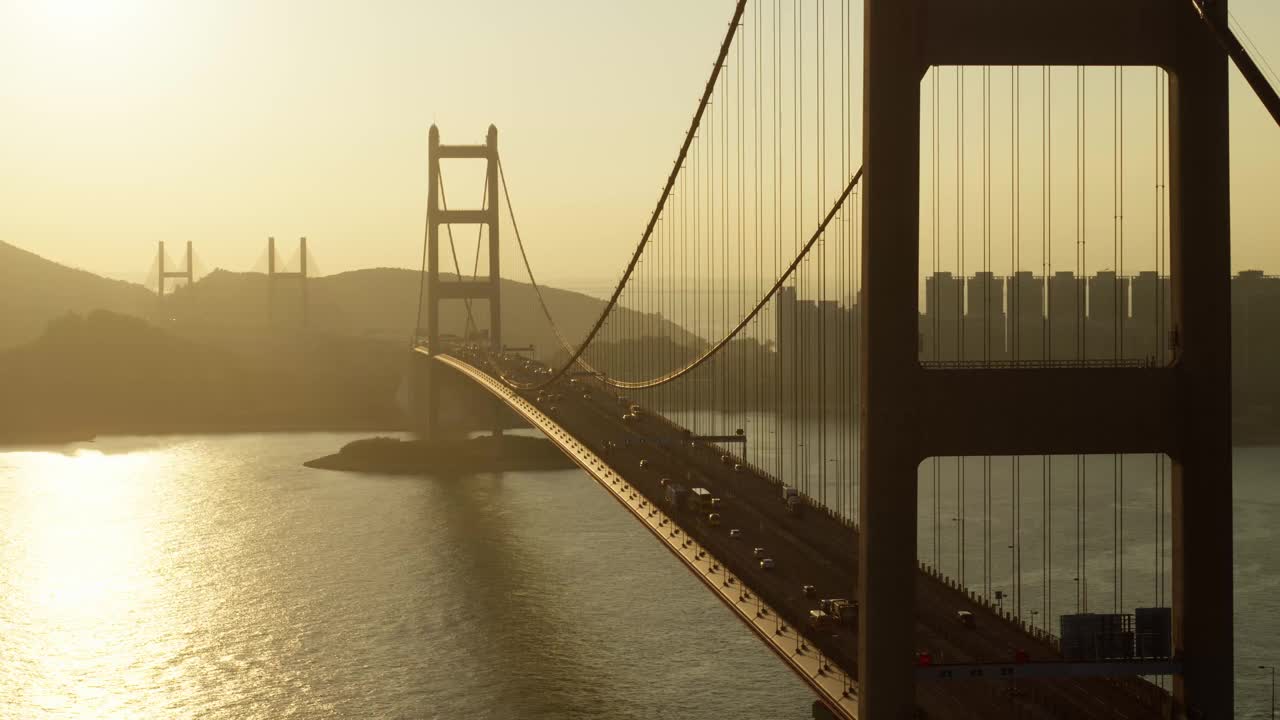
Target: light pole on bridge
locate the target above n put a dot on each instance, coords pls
(1272, 668)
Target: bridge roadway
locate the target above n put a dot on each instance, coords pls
(816, 549)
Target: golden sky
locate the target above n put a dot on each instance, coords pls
(127, 122)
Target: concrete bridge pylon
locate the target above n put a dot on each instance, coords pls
(430, 382)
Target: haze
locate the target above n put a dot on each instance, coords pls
(128, 122)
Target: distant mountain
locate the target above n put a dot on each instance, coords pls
(82, 355)
(234, 307)
(34, 290)
(381, 303)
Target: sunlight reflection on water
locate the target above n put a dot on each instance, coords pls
(215, 577)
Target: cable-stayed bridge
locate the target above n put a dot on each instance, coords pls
(948, 426)
(166, 276)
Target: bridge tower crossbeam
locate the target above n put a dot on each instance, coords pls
(911, 413)
(187, 274)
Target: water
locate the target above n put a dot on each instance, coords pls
(214, 577)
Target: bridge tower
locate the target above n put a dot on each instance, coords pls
(188, 274)
(274, 276)
(911, 413)
(438, 290)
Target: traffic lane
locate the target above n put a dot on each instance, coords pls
(997, 641)
(932, 630)
(793, 563)
(956, 642)
(998, 638)
(824, 533)
(948, 696)
(955, 700)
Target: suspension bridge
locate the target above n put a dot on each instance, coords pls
(948, 427)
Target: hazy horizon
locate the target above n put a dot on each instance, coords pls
(224, 123)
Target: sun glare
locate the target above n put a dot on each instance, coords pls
(76, 541)
(79, 29)
(81, 542)
(78, 14)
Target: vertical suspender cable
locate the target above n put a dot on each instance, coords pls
(1015, 318)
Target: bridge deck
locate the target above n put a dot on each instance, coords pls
(817, 550)
(832, 684)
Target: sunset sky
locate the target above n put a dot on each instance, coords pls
(128, 122)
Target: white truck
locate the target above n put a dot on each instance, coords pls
(795, 504)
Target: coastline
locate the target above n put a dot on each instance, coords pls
(22, 437)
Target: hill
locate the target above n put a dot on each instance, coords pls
(87, 355)
(228, 306)
(110, 373)
(34, 290)
(376, 303)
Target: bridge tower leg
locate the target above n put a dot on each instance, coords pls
(437, 290)
(187, 274)
(910, 413)
(274, 276)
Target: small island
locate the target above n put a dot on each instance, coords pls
(449, 457)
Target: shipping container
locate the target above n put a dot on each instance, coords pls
(1097, 636)
(1153, 628)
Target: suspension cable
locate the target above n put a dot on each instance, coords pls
(576, 355)
(705, 355)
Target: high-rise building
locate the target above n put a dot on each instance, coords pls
(1107, 318)
(1064, 315)
(816, 340)
(1255, 337)
(1104, 317)
(1026, 317)
(944, 301)
(984, 318)
(1147, 332)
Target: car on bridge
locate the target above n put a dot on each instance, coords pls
(766, 563)
(965, 618)
(819, 620)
